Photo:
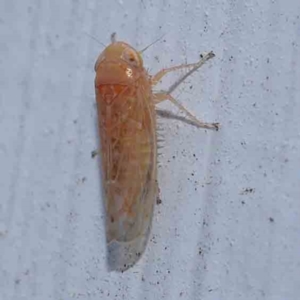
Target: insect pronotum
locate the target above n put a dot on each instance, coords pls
(128, 138)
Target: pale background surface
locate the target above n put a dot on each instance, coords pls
(229, 223)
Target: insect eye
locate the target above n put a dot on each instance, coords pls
(130, 57)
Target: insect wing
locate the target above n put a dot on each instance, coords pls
(127, 127)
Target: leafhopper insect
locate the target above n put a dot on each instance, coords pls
(128, 137)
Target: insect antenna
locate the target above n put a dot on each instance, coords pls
(92, 37)
(143, 50)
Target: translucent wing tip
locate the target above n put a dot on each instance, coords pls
(122, 256)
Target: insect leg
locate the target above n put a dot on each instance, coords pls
(157, 77)
(162, 96)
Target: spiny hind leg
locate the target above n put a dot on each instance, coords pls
(162, 96)
(194, 67)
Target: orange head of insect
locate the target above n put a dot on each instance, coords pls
(118, 63)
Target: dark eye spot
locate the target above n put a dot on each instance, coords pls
(131, 59)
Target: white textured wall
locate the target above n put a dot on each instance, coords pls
(229, 223)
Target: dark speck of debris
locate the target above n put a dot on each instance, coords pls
(247, 191)
(83, 179)
(200, 252)
(158, 200)
(243, 202)
(191, 87)
(94, 153)
(271, 220)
